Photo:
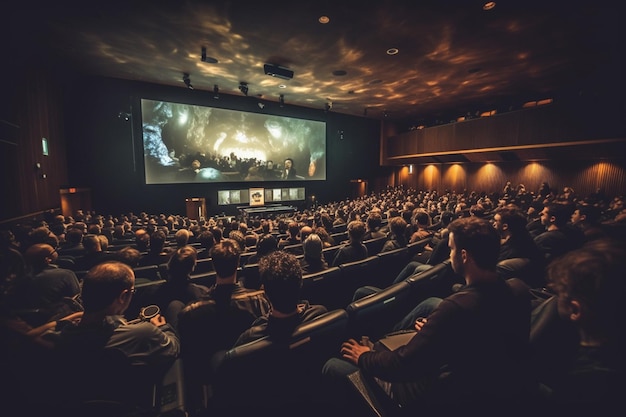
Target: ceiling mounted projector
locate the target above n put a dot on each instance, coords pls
(278, 71)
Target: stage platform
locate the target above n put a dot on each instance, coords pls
(267, 210)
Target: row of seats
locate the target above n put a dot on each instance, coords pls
(289, 375)
(332, 287)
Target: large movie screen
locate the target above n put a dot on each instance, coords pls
(186, 143)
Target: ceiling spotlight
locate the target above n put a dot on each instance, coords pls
(187, 81)
(281, 100)
(328, 106)
(243, 87)
(216, 92)
(261, 105)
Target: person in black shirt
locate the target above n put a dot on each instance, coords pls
(469, 350)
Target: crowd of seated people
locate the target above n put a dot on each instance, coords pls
(44, 263)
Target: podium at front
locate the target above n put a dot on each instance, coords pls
(196, 208)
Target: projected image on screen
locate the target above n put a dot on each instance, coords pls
(185, 143)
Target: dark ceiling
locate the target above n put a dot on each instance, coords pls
(453, 58)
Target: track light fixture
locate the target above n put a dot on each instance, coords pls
(243, 87)
(216, 92)
(328, 106)
(187, 81)
(281, 100)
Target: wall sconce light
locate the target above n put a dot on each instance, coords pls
(216, 92)
(187, 81)
(410, 168)
(243, 87)
(281, 100)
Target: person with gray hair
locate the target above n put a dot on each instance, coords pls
(313, 260)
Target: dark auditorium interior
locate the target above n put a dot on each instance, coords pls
(148, 116)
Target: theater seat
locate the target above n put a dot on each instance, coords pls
(320, 287)
(356, 274)
(264, 376)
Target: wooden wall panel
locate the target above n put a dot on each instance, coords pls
(583, 176)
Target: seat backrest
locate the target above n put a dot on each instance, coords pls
(203, 265)
(357, 274)
(416, 247)
(320, 287)
(330, 252)
(249, 276)
(148, 272)
(553, 341)
(376, 314)
(390, 265)
(513, 268)
(207, 278)
(375, 245)
(280, 376)
(434, 282)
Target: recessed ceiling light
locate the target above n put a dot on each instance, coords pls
(282, 86)
(339, 72)
(392, 51)
(489, 5)
(324, 19)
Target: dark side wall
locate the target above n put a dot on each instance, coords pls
(104, 151)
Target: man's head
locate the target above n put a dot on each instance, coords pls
(556, 215)
(585, 214)
(374, 220)
(356, 231)
(39, 255)
(473, 240)
(288, 163)
(267, 243)
(182, 237)
(281, 276)
(305, 231)
(108, 287)
(92, 244)
(313, 246)
(225, 256)
(509, 221)
(591, 288)
(397, 226)
(182, 263)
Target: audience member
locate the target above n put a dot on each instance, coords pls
(228, 309)
(178, 285)
(354, 250)
(373, 224)
(47, 287)
(157, 254)
(94, 254)
(468, 349)
(150, 347)
(313, 260)
(281, 276)
(267, 243)
(590, 286)
(397, 234)
(559, 237)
